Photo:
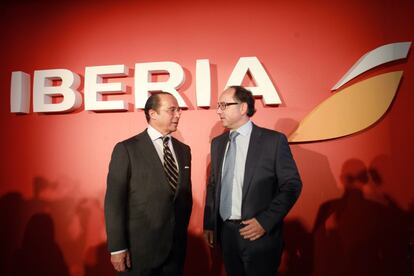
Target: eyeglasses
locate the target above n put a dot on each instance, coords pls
(173, 110)
(223, 105)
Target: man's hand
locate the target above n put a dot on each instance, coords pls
(121, 261)
(209, 237)
(252, 231)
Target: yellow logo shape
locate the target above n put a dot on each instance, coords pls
(351, 110)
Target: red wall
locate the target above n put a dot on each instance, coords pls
(58, 163)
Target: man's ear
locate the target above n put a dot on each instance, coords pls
(243, 108)
(153, 114)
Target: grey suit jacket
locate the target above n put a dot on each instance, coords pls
(271, 182)
(141, 211)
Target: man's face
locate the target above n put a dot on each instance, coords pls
(234, 115)
(166, 118)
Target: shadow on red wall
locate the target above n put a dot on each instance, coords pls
(51, 234)
(363, 232)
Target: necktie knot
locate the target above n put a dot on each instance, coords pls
(165, 140)
(233, 136)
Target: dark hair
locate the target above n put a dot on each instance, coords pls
(243, 95)
(153, 102)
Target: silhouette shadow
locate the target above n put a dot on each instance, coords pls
(400, 228)
(76, 223)
(315, 172)
(12, 217)
(297, 259)
(354, 235)
(40, 254)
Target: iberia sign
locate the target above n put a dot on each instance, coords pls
(351, 109)
(45, 86)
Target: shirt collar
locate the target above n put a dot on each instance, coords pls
(245, 129)
(155, 134)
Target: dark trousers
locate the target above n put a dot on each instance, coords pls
(172, 266)
(248, 258)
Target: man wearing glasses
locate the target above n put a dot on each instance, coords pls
(253, 184)
(148, 198)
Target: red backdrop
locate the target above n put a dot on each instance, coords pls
(58, 163)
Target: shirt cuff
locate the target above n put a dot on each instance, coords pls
(119, 251)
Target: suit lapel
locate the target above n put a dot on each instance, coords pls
(148, 150)
(253, 154)
(180, 159)
(221, 149)
(179, 154)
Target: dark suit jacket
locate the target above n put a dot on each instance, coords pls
(141, 211)
(271, 183)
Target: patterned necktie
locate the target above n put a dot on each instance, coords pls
(227, 178)
(170, 167)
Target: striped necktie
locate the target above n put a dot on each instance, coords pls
(170, 167)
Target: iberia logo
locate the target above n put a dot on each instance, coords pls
(358, 106)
